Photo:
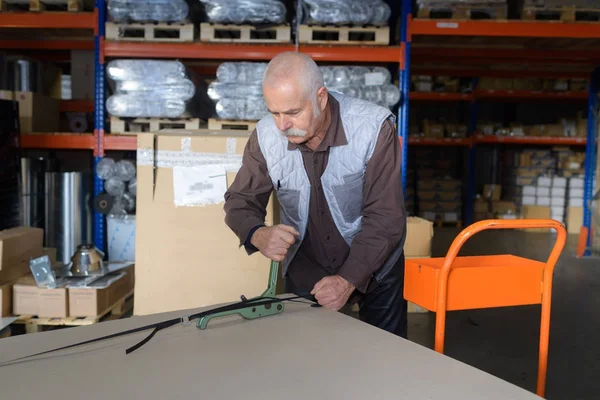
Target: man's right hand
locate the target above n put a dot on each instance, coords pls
(274, 241)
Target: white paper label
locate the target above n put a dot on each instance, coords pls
(447, 25)
(199, 185)
(374, 79)
(231, 144)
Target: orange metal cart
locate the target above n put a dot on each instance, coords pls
(465, 283)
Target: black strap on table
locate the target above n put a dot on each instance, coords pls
(156, 327)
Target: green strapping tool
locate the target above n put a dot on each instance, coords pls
(253, 311)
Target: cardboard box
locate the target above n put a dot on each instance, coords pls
(543, 201)
(432, 130)
(575, 203)
(186, 256)
(492, 192)
(91, 302)
(504, 207)
(26, 297)
(429, 215)
(419, 234)
(558, 201)
(37, 113)
(557, 211)
(480, 216)
(17, 247)
(544, 181)
(481, 206)
(6, 299)
(559, 182)
(536, 212)
(575, 193)
(53, 303)
(574, 219)
(451, 216)
(576, 183)
(528, 200)
(542, 191)
(529, 190)
(558, 192)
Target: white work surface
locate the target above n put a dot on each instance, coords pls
(304, 353)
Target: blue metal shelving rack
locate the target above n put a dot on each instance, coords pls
(590, 154)
(99, 83)
(404, 83)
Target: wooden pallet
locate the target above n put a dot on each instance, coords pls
(41, 5)
(344, 35)
(226, 125)
(34, 324)
(562, 14)
(217, 33)
(133, 126)
(463, 12)
(151, 32)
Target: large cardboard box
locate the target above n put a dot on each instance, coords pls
(90, 302)
(17, 247)
(419, 234)
(53, 303)
(574, 219)
(186, 256)
(6, 299)
(26, 297)
(37, 113)
(536, 212)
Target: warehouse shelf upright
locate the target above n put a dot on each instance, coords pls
(99, 114)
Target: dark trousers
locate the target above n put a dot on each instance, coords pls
(384, 306)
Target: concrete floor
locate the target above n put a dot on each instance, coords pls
(504, 341)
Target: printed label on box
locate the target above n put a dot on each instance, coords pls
(199, 185)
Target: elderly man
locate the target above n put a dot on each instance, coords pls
(334, 163)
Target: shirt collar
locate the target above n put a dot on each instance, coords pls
(335, 135)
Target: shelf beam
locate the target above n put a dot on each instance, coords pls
(531, 140)
(58, 141)
(83, 44)
(53, 20)
(248, 52)
(78, 106)
(510, 28)
(120, 142)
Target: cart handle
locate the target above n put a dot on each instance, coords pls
(477, 227)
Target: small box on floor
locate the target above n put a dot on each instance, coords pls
(536, 212)
(574, 219)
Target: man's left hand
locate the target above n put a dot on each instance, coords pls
(332, 292)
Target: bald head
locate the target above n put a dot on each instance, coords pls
(297, 69)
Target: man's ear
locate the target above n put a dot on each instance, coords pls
(322, 98)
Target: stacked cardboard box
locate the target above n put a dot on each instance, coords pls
(548, 192)
(440, 199)
(574, 211)
(419, 235)
(17, 247)
(523, 169)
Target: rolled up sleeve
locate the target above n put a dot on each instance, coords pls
(384, 215)
(247, 198)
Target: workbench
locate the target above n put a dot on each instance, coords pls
(303, 353)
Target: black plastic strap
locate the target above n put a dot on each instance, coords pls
(156, 327)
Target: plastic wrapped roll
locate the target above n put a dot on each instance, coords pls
(118, 208)
(128, 202)
(106, 168)
(386, 76)
(219, 90)
(240, 108)
(341, 76)
(183, 89)
(148, 10)
(132, 187)
(122, 105)
(241, 72)
(356, 12)
(373, 94)
(125, 170)
(146, 70)
(327, 73)
(244, 11)
(357, 75)
(390, 95)
(114, 187)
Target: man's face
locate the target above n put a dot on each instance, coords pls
(293, 112)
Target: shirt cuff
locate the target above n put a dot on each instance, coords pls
(250, 248)
(356, 273)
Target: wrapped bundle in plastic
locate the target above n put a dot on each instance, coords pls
(149, 88)
(123, 105)
(219, 90)
(346, 12)
(146, 70)
(106, 168)
(241, 72)
(125, 170)
(245, 11)
(148, 10)
(114, 187)
(241, 108)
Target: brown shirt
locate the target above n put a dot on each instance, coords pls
(323, 251)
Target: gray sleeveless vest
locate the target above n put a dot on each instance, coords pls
(342, 181)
